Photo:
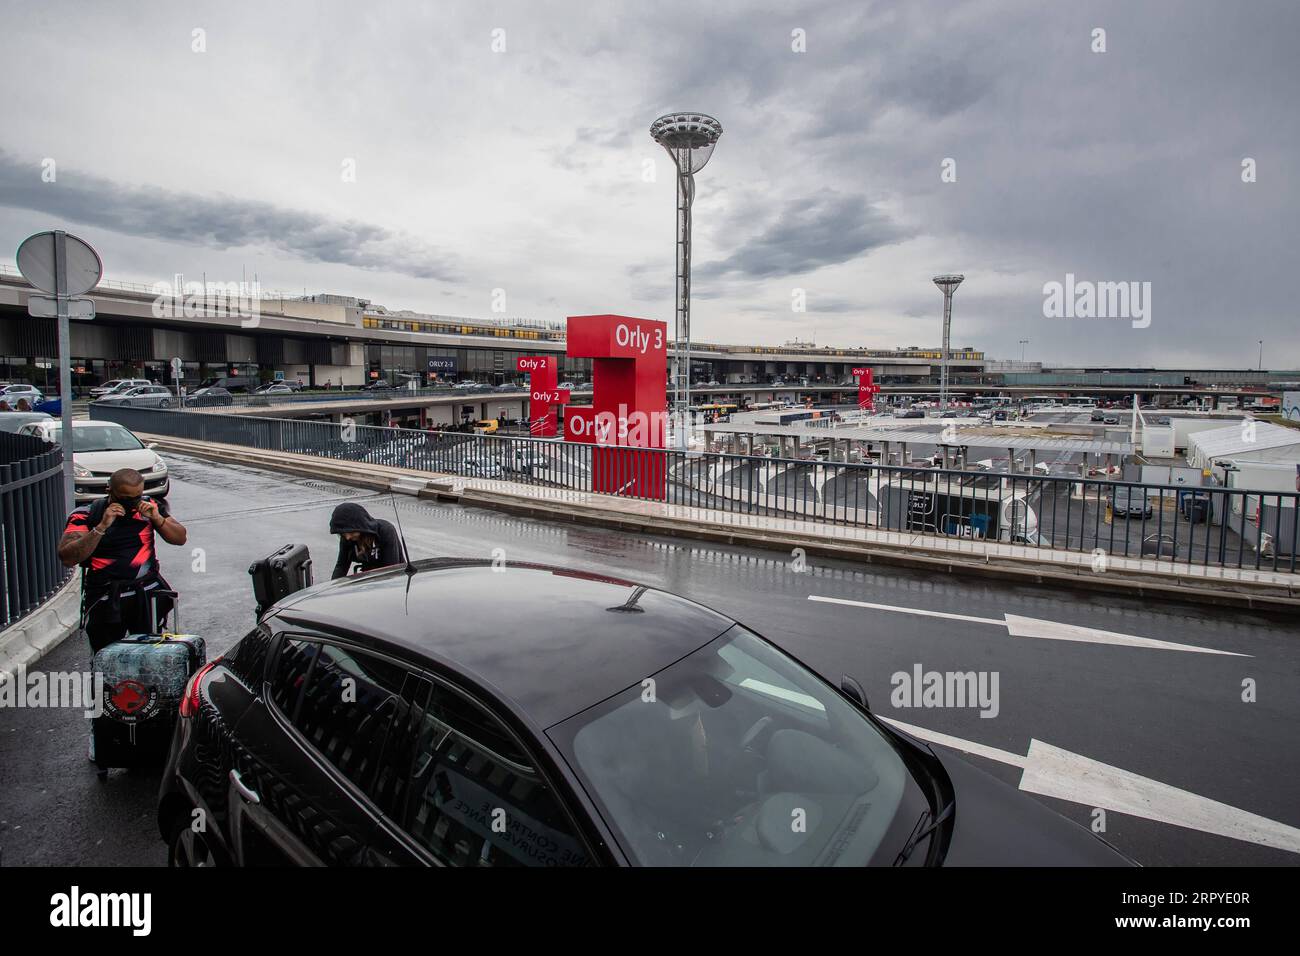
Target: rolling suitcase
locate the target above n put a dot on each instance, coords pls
(280, 574)
(144, 677)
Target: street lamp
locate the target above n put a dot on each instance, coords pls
(1023, 343)
(947, 285)
(689, 139)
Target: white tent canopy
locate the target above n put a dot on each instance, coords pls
(1259, 441)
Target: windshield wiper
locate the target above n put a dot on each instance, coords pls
(922, 830)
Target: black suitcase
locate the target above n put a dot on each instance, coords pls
(280, 574)
(143, 678)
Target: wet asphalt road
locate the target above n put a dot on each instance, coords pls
(1177, 718)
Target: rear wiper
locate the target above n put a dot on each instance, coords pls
(922, 830)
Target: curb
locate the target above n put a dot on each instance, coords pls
(29, 639)
(441, 488)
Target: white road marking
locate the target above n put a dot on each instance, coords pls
(1054, 772)
(1032, 627)
(1054, 631)
(908, 610)
(966, 746)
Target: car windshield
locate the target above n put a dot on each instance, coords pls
(105, 437)
(737, 756)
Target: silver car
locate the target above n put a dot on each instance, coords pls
(142, 396)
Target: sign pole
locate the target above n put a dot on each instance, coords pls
(65, 365)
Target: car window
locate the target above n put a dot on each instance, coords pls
(708, 763)
(293, 662)
(350, 700)
(475, 799)
(101, 436)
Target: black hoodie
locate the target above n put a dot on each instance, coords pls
(381, 548)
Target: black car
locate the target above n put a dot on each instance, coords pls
(447, 714)
(211, 396)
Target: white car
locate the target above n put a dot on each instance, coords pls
(100, 448)
(12, 393)
(481, 468)
(117, 386)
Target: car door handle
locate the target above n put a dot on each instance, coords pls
(244, 791)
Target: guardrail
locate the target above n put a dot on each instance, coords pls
(31, 522)
(1205, 526)
(395, 395)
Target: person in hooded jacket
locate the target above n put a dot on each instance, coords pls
(365, 541)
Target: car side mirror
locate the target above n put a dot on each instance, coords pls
(854, 692)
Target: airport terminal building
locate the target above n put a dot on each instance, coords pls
(342, 340)
(334, 339)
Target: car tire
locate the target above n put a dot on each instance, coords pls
(165, 403)
(125, 404)
(187, 849)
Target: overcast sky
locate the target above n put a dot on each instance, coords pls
(531, 169)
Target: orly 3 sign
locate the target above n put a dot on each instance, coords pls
(629, 367)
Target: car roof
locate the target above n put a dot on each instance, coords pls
(550, 640)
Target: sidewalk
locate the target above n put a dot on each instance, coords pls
(1243, 587)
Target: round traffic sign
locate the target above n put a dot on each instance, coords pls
(37, 262)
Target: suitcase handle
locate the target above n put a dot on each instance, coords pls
(154, 595)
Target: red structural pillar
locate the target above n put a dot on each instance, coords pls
(543, 395)
(867, 389)
(629, 412)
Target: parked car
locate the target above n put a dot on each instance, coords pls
(14, 421)
(211, 396)
(636, 727)
(275, 388)
(1130, 502)
(481, 468)
(13, 393)
(100, 448)
(117, 385)
(466, 385)
(142, 396)
(378, 385)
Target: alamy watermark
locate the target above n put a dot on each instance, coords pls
(946, 689)
(78, 690)
(1085, 299)
(236, 300)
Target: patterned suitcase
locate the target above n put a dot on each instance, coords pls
(144, 678)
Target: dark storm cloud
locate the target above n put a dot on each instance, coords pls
(217, 222)
(827, 228)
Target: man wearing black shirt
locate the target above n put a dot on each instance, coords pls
(113, 540)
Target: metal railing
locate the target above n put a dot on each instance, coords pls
(31, 522)
(1181, 525)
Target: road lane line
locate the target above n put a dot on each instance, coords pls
(909, 610)
(956, 743)
(1052, 771)
(1033, 627)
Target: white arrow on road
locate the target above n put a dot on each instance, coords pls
(1032, 627)
(1054, 772)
